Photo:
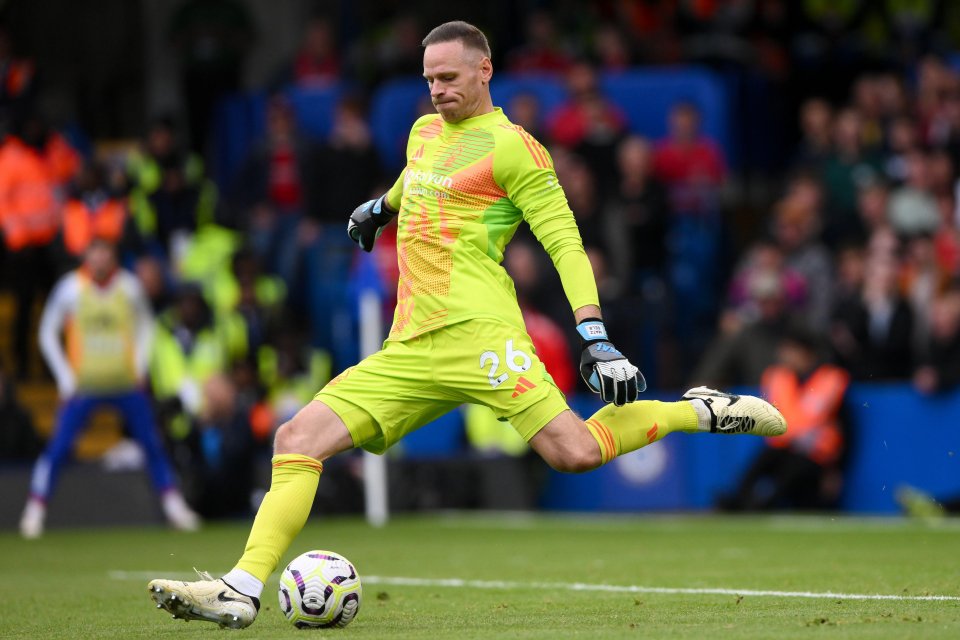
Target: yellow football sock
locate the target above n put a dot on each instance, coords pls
(282, 513)
(624, 429)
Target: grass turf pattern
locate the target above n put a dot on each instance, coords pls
(477, 576)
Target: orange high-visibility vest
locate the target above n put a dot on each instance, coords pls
(811, 409)
(81, 225)
(29, 190)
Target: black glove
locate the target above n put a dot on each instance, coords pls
(605, 370)
(367, 222)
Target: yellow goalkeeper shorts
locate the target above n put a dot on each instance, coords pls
(407, 384)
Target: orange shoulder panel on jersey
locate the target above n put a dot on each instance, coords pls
(536, 150)
(432, 129)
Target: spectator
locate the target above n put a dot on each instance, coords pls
(93, 211)
(637, 217)
(816, 122)
(272, 193)
(398, 53)
(588, 123)
(867, 101)
(542, 50)
(921, 281)
(848, 168)
(872, 332)
(764, 257)
(851, 269)
(939, 360)
(192, 345)
(524, 111)
(611, 49)
(18, 84)
(108, 327)
(803, 469)
(741, 354)
(690, 164)
(796, 229)
(290, 370)
(902, 139)
(316, 63)
(582, 193)
(162, 148)
(873, 200)
(212, 38)
(219, 475)
(171, 215)
(35, 166)
(913, 209)
(347, 167)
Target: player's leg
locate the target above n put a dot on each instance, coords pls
(514, 383)
(71, 418)
(564, 443)
(568, 443)
(371, 405)
(138, 416)
(300, 445)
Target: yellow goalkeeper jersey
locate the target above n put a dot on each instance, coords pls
(465, 189)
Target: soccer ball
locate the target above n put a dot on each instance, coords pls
(320, 589)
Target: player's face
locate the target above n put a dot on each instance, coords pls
(458, 78)
(100, 260)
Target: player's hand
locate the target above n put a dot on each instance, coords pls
(605, 370)
(367, 222)
(66, 385)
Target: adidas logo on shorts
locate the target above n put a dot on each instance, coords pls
(523, 385)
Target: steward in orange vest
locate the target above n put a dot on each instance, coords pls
(801, 469)
(92, 211)
(34, 167)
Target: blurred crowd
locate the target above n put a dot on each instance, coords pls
(249, 276)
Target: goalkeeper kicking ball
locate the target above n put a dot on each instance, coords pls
(320, 589)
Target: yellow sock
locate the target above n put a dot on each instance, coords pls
(282, 513)
(624, 429)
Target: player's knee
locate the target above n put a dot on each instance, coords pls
(575, 460)
(293, 437)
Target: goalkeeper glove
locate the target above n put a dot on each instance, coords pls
(605, 370)
(367, 222)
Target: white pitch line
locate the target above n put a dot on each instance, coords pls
(459, 583)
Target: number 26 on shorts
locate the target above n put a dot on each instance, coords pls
(516, 360)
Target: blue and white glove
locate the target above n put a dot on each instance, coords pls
(605, 370)
(367, 222)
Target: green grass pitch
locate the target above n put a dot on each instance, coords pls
(465, 576)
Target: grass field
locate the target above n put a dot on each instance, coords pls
(524, 577)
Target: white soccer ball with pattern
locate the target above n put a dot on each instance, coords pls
(320, 589)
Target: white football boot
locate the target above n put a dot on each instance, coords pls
(31, 522)
(730, 413)
(178, 512)
(205, 599)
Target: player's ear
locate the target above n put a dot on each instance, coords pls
(486, 69)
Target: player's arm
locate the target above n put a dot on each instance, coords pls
(526, 173)
(368, 220)
(51, 325)
(144, 330)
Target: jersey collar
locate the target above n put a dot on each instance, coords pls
(494, 117)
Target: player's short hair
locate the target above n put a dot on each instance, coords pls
(458, 30)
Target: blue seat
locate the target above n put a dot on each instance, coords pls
(646, 96)
(241, 121)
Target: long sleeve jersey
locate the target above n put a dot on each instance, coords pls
(107, 330)
(465, 189)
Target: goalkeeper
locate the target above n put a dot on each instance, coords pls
(458, 336)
